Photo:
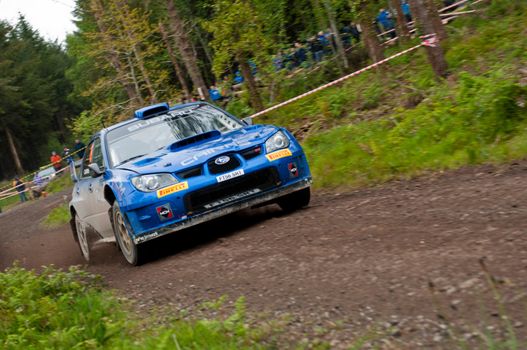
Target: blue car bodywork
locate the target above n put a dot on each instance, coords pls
(216, 173)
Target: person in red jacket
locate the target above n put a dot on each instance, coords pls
(56, 160)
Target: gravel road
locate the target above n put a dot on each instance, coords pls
(401, 259)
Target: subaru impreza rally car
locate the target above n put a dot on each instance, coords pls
(167, 169)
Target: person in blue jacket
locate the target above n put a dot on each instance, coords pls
(406, 11)
(384, 18)
(215, 94)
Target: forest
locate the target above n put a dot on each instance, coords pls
(127, 54)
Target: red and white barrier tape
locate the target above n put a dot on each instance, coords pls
(16, 193)
(430, 40)
(10, 188)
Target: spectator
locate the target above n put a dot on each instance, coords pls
(20, 188)
(238, 78)
(355, 31)
(316, 48)
(300, 54)
(385, 20)
(56, 161)
(289, 59)
(345, 34)
(38, 189)
(79, 148)
(215, 94)
(323, 39)
(66, 155)
(406, 11)
(278, 62)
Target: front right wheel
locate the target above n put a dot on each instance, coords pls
(130, 250)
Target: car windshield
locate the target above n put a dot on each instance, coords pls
(142, 137)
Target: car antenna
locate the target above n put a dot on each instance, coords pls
(102, 122)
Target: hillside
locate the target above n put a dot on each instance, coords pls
(400, 121)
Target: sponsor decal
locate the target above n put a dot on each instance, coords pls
(293, 169)
(279, 154)
(222, 160)
(164, 212)
(146, 237)
(230, 175)
(232, 198)
(172, 189)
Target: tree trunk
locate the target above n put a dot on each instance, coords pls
(402, 29)
(436, 20)
(254, 95)
(136, 49)
(336, 34)
(435, 54)
(133, 93)
(14, 153)
(175, 64)
(375, 50)
(185, 48)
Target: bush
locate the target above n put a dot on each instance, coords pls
(471, 124)
(72, 310)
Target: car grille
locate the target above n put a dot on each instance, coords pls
(216, 195)
(187, 174)
(232, 164)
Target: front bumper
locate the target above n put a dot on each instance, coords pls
(231, 207)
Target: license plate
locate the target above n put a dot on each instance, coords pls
(230, 175)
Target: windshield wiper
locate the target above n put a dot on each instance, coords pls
(131, 158)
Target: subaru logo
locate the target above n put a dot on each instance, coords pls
(222, 160)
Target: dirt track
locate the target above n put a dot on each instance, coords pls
(363, 258)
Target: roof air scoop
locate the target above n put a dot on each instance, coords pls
(150, 111)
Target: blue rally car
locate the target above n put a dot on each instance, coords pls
(167, 169)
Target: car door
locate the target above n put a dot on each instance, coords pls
(92, 207)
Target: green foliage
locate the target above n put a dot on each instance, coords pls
(33, 95)
(236, 39)
(58, 216)
(56, 310)
(60, 183)
(482, 120)
(71, 310)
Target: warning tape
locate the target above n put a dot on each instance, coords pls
(16, 193)
(10, 188)
(429, 40)
(411, 23)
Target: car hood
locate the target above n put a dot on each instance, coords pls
(172, 159)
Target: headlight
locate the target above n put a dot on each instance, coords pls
(277, 141)
(153, 182)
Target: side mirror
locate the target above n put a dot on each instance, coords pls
(73, 172)
(96, 171)
(248, 120)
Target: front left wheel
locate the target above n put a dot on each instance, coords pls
(130, 250)
(82, 238)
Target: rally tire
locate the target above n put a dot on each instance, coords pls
(82, 238)
(295, 200)
(130, 250)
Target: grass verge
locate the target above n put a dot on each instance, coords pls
(72, 310)
(58, 216)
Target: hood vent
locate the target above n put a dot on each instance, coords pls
(209, 135)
